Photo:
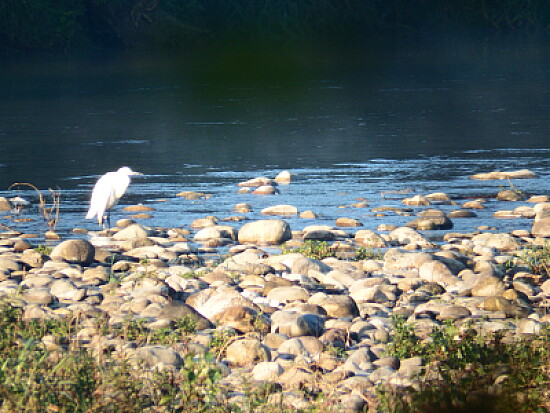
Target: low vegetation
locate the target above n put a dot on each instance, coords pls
(68, 378)
(322, 249)
(469, 373)
(537, 259)
(463, 371)
(312, 249)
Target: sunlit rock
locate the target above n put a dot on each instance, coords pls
(256, 182)
(266, 231)
(285, 210)
(521, 174)
(284, 177)
(265, 190)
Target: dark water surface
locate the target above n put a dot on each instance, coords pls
(348, 122)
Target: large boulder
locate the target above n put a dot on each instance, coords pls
(395, 259)
(65, 290)
(337, 306)
(74, 251)
(284, 177)
(407, 235)
(134, 231)
(265, 231)
(155, 356)
(370, 239)
(221, 300)
(501, 241)
(299, 264)
(246, 352)
(177, 310)
(430, 220)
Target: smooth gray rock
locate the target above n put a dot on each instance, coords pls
(74, 251)
(267, 370)
(8, 265)
(302, 325)
(221, 300)
(176, 310)
(153, 355)
(245, 352)
(337, 306)
(39, 296)
(131, 232)
(65, 290)
(265, 231)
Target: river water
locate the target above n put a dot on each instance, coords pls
(348, 122)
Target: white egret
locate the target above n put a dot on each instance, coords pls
(107, 191)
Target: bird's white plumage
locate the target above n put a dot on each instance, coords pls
(107, 191)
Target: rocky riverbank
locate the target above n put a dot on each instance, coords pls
(304, 323)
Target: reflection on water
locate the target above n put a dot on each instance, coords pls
(349, 123)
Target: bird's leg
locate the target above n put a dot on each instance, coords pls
(108, 219)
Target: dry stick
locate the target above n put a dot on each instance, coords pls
(56, 197)
(46, 212)
(224, 347)
(42, 202)
(8, 228)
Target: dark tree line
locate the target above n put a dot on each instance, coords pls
(74, 24)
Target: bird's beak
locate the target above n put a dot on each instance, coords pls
(136, 173)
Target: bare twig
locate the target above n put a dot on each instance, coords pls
(50, 214)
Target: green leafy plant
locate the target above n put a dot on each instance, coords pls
(220, 341)
(460, 364)
(186, 324)
(322, 249)
(363, 253)
(312, 249)
(44, 249)
(536, 258)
